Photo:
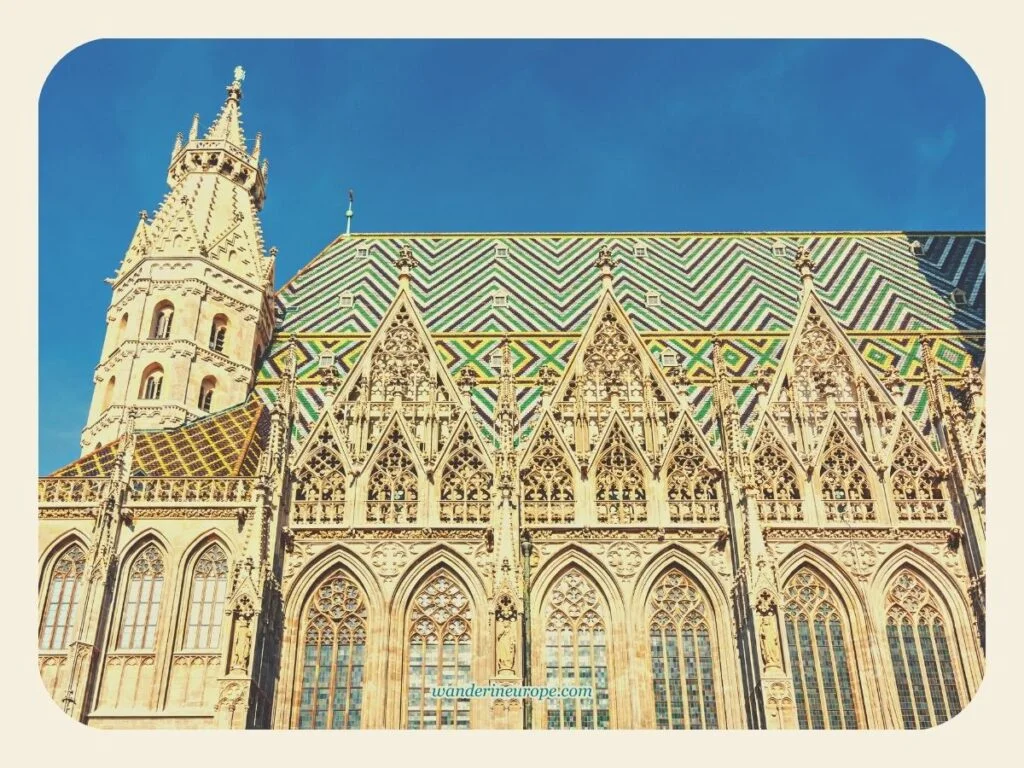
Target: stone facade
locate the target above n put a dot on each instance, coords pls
(810, 557)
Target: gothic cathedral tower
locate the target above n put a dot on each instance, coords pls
(192, 304)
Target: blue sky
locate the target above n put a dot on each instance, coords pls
(475, 135)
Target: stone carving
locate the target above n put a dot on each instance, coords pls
(505, 644)
(624, 558)
(388, 559)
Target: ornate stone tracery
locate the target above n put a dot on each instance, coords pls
(776, 483)
(845, 487)
(392, 494)
(620, 487)
(917, 485)
(466, 481)
(547, 480)
(692, 483)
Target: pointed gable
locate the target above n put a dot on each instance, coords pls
(844, 476)
(399, 370)
(692, 476)
(548, 476)
(820, 373)
(613, 370)
(392, 491)
(619, 476)
(465, 477)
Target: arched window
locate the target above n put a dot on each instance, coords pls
(206, 603)
(218, 330)
(576, 652)
(817, 654)
(619, 486)
(206, 390)
(920, 653)
(547, 481)
(152, 382)
(142, 601)
(466, 483)
(917, 485)
(845, 488)
(440, 653)
(163, 316)
(108, 392)
(681, 654)
(122, 328)
(259, 356)
(392, 495)
(776, 483)
(691, 481)
(331, 688)
(62, 599)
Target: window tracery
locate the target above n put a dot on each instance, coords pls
(62, 599)
(576, 652)
(392, 495)
(163, 317)
(152, 382)
(916, 483)
(821, 366)
(547, 481)
(619, 483)
(142, 601)
(818, 657)
(776, 483)
(466, 482)
(921, 654)
(206, 605)
(691, 482)
(681, 654)
(400, 365)
(440, 653)
(845, 487)
(334, 652)
(320, 483)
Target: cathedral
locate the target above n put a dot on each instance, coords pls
(711, 480)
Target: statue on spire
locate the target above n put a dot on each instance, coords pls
(239, 74)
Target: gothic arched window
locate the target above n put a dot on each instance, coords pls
(466, 483)
(916, 483)
(163, 316)
(818, 654)
(691, 482)
(152, 382)
(440, 653)
(776, 483)
(206, 390)
(681, 654)
(547, 481)
(142, 601)
(218, 331)
(62, 599)
(921, 654)
(619, 485)
(206, 604)
(108, 393)
(845, 487)
(334, 652)
(576, 652)
(392, 495)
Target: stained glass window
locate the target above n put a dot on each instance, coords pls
(206, 606)
(925, 681)
(62, 599)
(576, 652)
(440, 653)
(817, 654)
(142, 601)
(681, 656)
(331, 687)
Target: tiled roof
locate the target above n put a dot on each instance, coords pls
(228, 443)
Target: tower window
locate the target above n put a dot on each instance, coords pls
(152, 381)
(206, 390)
(163, 316)
(346, 300)
(108, 395)
(218, 330)
(122, 327)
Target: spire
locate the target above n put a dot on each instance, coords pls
(507, 411)
(349, 214)
(606, 263)
(405, 263)
(228, 125)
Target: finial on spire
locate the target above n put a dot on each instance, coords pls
(178, 141)
(265, 169)
(805, 264)
(349, 214)
(235, 89)
(144, 215)
(257, 146)
(193, 132)
(606, 263)
(239, 74)
(405, 263)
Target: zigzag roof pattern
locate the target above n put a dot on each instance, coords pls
(721, 282)
(738, 286)
(225, 444)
